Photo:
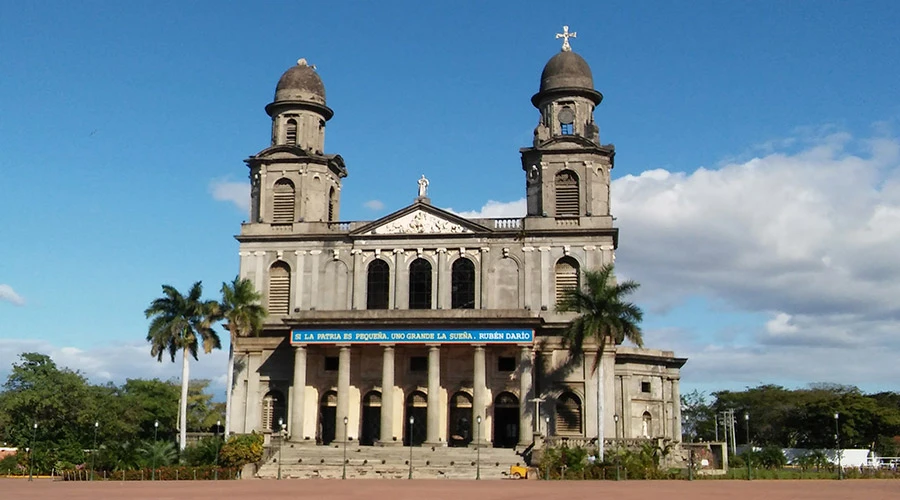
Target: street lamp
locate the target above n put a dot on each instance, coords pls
(155, 433)
(218, 449)
(837, 445)
(94, 452)
(412, 420)
(749, 448)
(31, 457)
(616, 419)
(478, 450)
(346, 438)
(280, 439)
(547, 421)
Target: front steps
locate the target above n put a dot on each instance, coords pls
(375, 462)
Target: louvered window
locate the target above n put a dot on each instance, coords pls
(290, 134)
(567, 194)
(568, 414)
(283, 202)
(332, 202)
(279, 288)
(566, 277)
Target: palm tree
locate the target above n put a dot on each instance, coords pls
(182, 322)
(240, 308)
(604, 315)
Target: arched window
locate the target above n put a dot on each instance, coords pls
(567, 204)
(566, 276)
(568, 414)
(283, 202)
(279, 288)
(420, 284)
(378, 283)
(462, 281)
(332, 204)
(290, 134)
(272, 411)
(460, 419)
(646, 424)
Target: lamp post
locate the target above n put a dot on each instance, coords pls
(31, 454)
(749, 448)
(616, 420)
(346, 438)
(478, 450)
(280, 433)
(94, 451)
(837, 445)
(218, 449)
(412, 420)
(547, 421)
(155, 433)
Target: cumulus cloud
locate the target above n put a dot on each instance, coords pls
(235, 192)
(118, 362)
(496, 210)
(374, 204)
(9, 295)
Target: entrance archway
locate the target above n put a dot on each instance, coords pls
(506, 420)
(327, 417)
(416, 407)
(460, 420)
(371, 418)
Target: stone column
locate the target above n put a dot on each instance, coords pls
(387, 397)
(299, 391)
(254, 401)
(314, 280)
(343, 396)
(479, 388)
(434, 390)
(526, 394)
(545, 279)
(676, 410)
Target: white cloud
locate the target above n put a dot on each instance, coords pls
(235, 192)
(496, 210)
(374, 204)
(8, 294)
(118, 362)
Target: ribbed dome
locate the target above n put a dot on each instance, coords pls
(566, 70)
(300, 83)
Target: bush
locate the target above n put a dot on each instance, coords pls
(203, 452)
(771, 457)
(241, 449)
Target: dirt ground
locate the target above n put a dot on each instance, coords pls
(453, 490)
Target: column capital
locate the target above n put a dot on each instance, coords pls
(300, 347)
(388, 346)
(432, 347)
(343, 346)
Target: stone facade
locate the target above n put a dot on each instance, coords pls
(428, 272)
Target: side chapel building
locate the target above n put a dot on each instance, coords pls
(411, 327)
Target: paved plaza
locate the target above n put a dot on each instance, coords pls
(442, 489)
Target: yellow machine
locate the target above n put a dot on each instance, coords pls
(518, 472)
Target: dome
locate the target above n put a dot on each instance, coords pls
(566, 70)
(300, 83)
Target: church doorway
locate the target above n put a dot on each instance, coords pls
(371, 418)
(417, 409)
(327, 417)
(460, 419)
(506, 420)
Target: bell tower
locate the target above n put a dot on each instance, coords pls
(567, 169)
(293, 180)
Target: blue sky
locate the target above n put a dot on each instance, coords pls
(756, 180)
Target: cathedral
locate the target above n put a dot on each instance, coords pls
(427, 328)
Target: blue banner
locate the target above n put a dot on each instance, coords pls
(411, 336)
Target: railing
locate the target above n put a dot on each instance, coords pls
(515, 223)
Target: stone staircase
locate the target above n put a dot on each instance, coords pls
(389, 462)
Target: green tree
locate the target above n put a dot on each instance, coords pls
(244, 316)
(697, 416)
(604, 315)
(202, 411)
(182, 322)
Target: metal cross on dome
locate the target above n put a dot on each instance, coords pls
(565, 35)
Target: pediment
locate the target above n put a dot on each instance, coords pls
(421, 218)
